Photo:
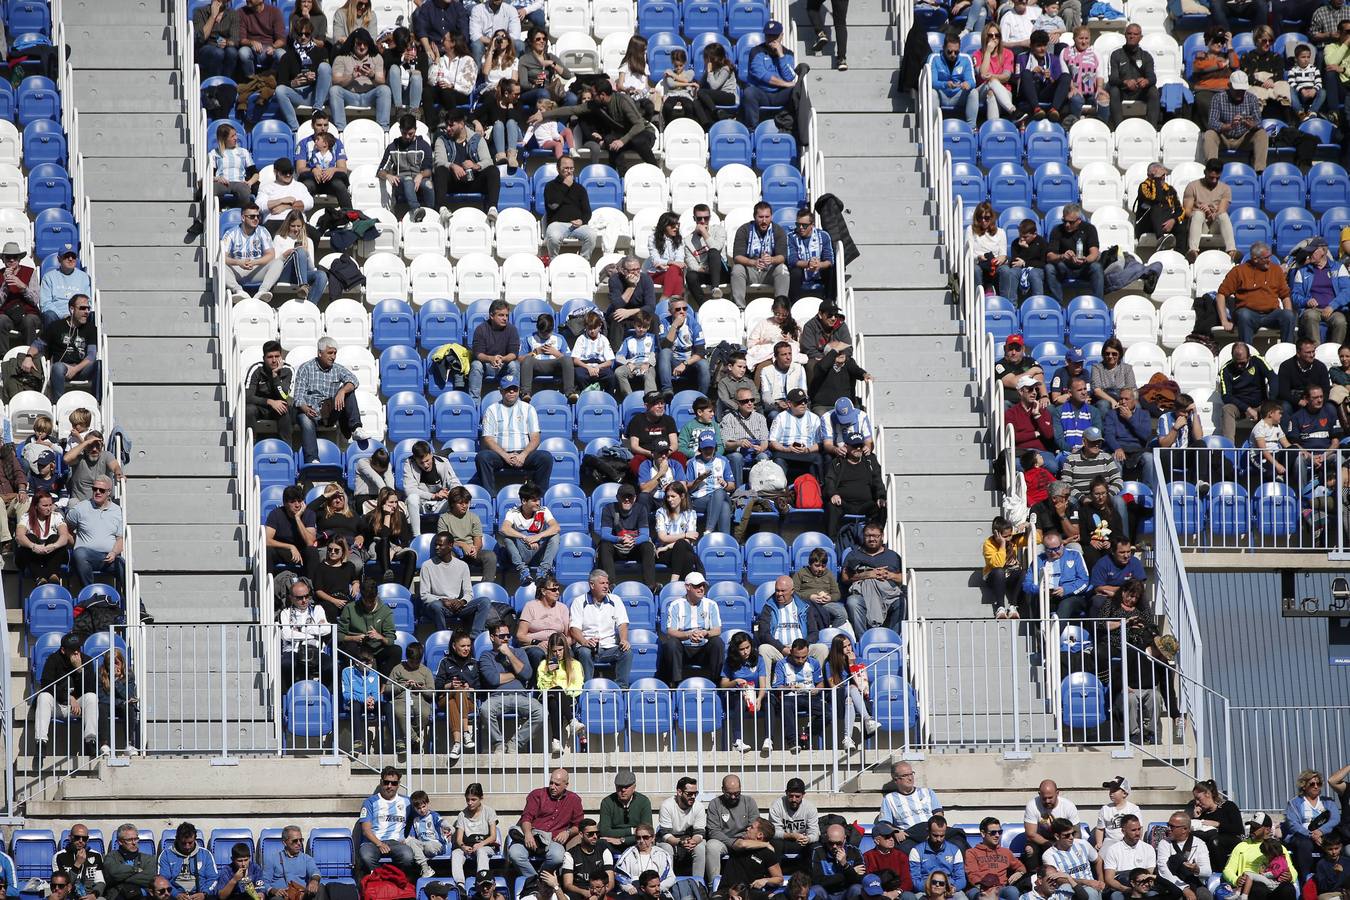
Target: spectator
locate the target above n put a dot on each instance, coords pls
(953, 78)
(1022, 274)
(66, 687)
(359, 81)
(280, 197)
(261, 34)
(745, 678)
(476, 835)
(1298, 374)
(88, 459)
(250, 259)
(550, 820)
(1313, 430)
(291, 866)
(321, 161)
(1100, 520)
(542, 617)
(1042, 810)
(644, 858)
(1205, 205)
(704, 266)
(682, 353)
(529, 534)
(717, 85)
(1132, 77)
(1306, 94)
(825, 333)
(800, 697)
(989, 859)
(745, 432)
(810, 260)
(1330, 875)
(599, 630)
(841, 421)
(268, 394)
(388, 538)
(383, 825)
(71, 348)
(886, 861)
(456, 676)
(682, 824)
(486, 21)
(1270, 441)
(559, 680)
(1320, 293)
(793, 438)
(691, 633)
(631, 291)
(665, 256)
(236, 174)
(427, 481)
(936, 854)
(907, 807)
(837, 867)
(1087, 86)
(1244, 385)
(1002, 574)
(1111, 376)
(1041, 79)
(495, 351)
(1265, 70)
(369, 624)
(510, 439)
(1235, 123)
(623, 811)
(1336, 57)
(622, 127)
(796, 825)
(994, 64)
(1017, 25)
(1249, 858)
(784, 620)
(433, 22)
(290, 531)
(636, 357)
(323, 388)
(1073, 252)
(771, 75)
(624, 534)
(701, 424)
(710, 485)
(305, 633)
(404, 65)
(461, 160)
(1190, 871)
(1308, 819)
(845, 674)
(755, 862)
(588, 861)
(1211, 69)
(61, 284)
(875, 577)
(466, 531)
(780, 379)
(1032, 423)
(853, 486)
(1122, 860)
(1073, 856)
(1070, 589)
(128, 872)
(1013, 365)
(1076, 414)
(568, 210)
(1157, 208)
(835, 376)
(507, 674)
(243, 875)
(677, 532)
(730, 817)
(99, 532)
(447, 594)
(215, 29)
(759, 255)
(538, 67)
(190, 869)
(1129, 435)
(592, 357)
(1036, 475)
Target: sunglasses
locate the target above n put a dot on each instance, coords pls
(99, 490)
(393, 781)
(702, 218)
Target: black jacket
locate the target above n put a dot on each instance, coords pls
(563, 203)
(264, 386)
(55, 682)
(858, 482)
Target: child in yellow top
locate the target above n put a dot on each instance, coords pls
(559, 680)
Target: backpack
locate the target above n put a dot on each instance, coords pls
(689, 889)
(387, 883)
(720, 358)
(765, 475)
(850, 536)
(806, 493)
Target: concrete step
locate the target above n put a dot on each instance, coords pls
(899, 347)
(941, 590)
(115, 131)
(943, 545)
(188, 396)
(155, 360)
(191, 556)
(203, 533)
(170, 416)
(876, 271)
(877, 218)
(870, 47)
(97, 90)
(189, 736)
(216, 597)
(889, 133)
(125, 46)
(896, 181)
(922, 449)
(889, 312)
(851, 91)
(164, 458)
(101, 12)
(149, 313)
(140, 274)
(138, 179)
(163, 499)
(141, 223)
(943, 497)
(932, 403)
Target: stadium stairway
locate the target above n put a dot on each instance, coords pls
(924, 392)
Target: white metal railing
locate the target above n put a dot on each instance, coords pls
(1280, 742)
(8, 813)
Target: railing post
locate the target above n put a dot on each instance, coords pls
(334, 758)
(1017, 752)
(224, 759)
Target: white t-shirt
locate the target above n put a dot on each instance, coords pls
(1017, 29)
(1108, 820)
(1035, 815)
(1121, 857)
(540, 521)
(1273, 435)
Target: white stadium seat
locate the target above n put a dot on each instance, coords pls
(431, 277)
(1136, 320)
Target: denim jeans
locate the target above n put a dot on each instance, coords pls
(88, 564)
(478, 369)
(505, 136)
(1249, 321)
(665, 365)
(557, 232)
(609, 656)
(965, 102)
(857, 613)
(717, 511)
(216, 60)
(753, 97)
(1060, 272)
(551, 858)
(521, 556)
(349, 417)
(1010, 282)
(475, 612)
(1297, 103)
(538, 467)
(60, 374)
(379, 99)
(250, 60)
(414, 196)
(405, 86)
(300, 269)
(529, 717)
(316, 95)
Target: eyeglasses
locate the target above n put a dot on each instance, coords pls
(295, 840)
(644, 837)
(82, 308)
(79, 837)
(550, 587)
(249, 216)
(1054, 550)
(393, 781)
(699, 587)
(504, 636)
(304, 596)
(938, 883)
(994, 831)
(803, 224)
(1109, 353)
(99, 490)
(745, 399)
(590, 833)
(702, 218)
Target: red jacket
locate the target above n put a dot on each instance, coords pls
(1031, 433)
(1039, 480)
(895, 861)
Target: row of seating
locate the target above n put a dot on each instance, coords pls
(24, 408)
(1271, 510)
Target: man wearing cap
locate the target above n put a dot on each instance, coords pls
(794, 438)
(691, 636)
(325, 393)
(1320, 292)
(1205, 204)
(250, 259)
(1258, 294)
(771, 75)
(1235, 123)
(824, 332)
(1247, 859)
(840, 422)
(624, 534)
(1070, 587)
(88, 460)
(1059, 386)
(20, 304)
(267, 398)
(283, 195)
(887, 864)
(71, 346)
(1183, 859)
(1033, 426)
(622, 811)
(853, 485)
(759, 255)
(1089, 461)
(62, 283)
(599, 630)
(710, 485)
(1013, 365)
(1075, 415)
(510, 440)
(781, 378)
(991, 868)
(99, 530)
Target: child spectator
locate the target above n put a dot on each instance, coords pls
(695, 428)
(1050, 21)
(529, 533)
(545, 351)
(428, 833)
(549, 135)
(1037, 476)
(592, 356)
(80, 420)
(1306, 94)
(43, 476)
(40, 443)
(368, 708)
(637, 356)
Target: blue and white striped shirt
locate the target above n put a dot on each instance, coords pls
(904, 810)
(232, 165)
(686, 617)
(592, 349)
(387, 818)
(246, 246)
(788, 429)
(785, 674)
(511, 426)
(637, 350)
(833, 431)
(1076, 861)
(719, 471)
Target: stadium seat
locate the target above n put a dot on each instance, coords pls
(773, 146)
(438, 322)
(1194, 368)
(1293, 225)
(1083, 701)
(576, 557)
(1045, 142)
(1055, 185)
(1250, 225)
(1325, 132)
(1136, 141)
(393, 325)
(597, 416)
(1282, 187)
(49, 187)
(1100, 185)
(274, 462)
(1175, 278)
(332, 851)
(603, 186)
(1042, 319)
(1180, 142)
(746, 19)
(958, 139)
(999, 141)
(1187, 508)
(329, 466)
(968, 183)
(698, 707)
(721, 557)
(1176, 320)
(1228, 510)
(782, 186)
(729, 142)
(766, 557)
(455, 415)
(223, 840)
(408, 415)
(32, 850)
(1000, 317)
(1090, 140)
(1009, 185)
(1244, 182)
(638, 602)
(644, 187)
(807, 541)
(896, 704)
(1089, 320)
(1334, 222)
(1276, 509)
(401, 369)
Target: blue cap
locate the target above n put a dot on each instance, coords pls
(1073, 356)
(508, 381)
(773, 28)
(871, 886)
(67, 250)
(706, 440)
(844, 413)
(1093, 434)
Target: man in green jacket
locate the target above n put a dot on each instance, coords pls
(127, 871)
(622, 811)
(369, 622)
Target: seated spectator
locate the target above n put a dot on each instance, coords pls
(888, 865)
(1111, 376)
(1003, 565)
(466, 532)
(710, 483)
(754, 861)
(1336, 58)
(1319, 294)
(837, 868)
(1074, 857)
(1205, 204)
(839, 422)
(853, 486)
(550, 821)
(388, 537)
(1248, 862)
(295, 250)
(1101, 519)
(236, 175)
(624, 811)
(66, 687)
(1113, 570)
(1033, 424)
(337, 580)
(1013, 366)
(543, 616)
(82, 865)
(935, 854)
(810, 260)
(407, 167)
(447, 594)
(745, 679)
(1307, 96)
(800, 697)
(1017, 21)
(268, 394)
(1235, 123)
(1244, 385)
(383, 825)
(215, 27)
(690, 637)
(677, 533)
(1313, 429)
(835, 377)
(1210, 71)
(599, 630)
(290, 531)
(1332, 875)
(1076, 413)
(824, 334)
(559, 679)
(321, 162)
(291, 866)
(990, 246)
(759, 256)
(250, 258)
(636, 357)
(305, 631)
(780, 379)
(404, 65)
(682, 820)
(510, 439)
(507, 674)
(1129, 436)
(262, 35)
(846, 675)
(71, 348)
(529, 534)
(567, 208)
(991, 867)
(282, 196)
(644, 859)
(476, 835)
(323, 389)
(427, 481)
(128, 872)
(682, 354)
(61, 284)
(1265, 71)
(786, 618)
(190, 868)
(624, 535)
(794, 438)
(462, 164)
(457, 677)
(42, 540)
(875, 578)
(745, 432)
(994, 65)
(1132, 77)
(1269, 441)
(359, 81)
(86, 458)
(592, 357)
(1073, 253)
(1299, 373)
(623, 125)
(1087, 86)
(1157, 208)
(631, 291)
(1070, 589)
(1110, 817)
(1130, 864)
(657, 475)
(1041, 79)
(99, 532)
(665, 256)
(1022, 274)
(704, 266)
(1308, 819)
(242, 875)
(952, 74)
(770, 77)
(368, 624)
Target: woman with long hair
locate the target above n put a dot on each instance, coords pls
(768, 333)
(351, 16)
(388, 535)
(994, 71)
(337, 579)
(990, 244)
(499, 62)
(296, 251)
(538, 69)
(451, 80)
(373, 474)
(665, 256)
(559, 681)
(117, 692)
(679, 87)
(477, 835)
(404, 63)
(745, 678)
(634, 80)
(502, 115)
(848, 676)
(677, 532)
(717, 85)
(1216, 820)
(42, 541)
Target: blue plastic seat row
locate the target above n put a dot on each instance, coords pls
(1087, 319)
(1228, 510)
(999, 140)
(696, 17)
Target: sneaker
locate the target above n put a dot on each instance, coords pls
(492, 213)
(767, 746)
(512, 160)
(193, 232)
(573, 727)
(1167, 242)
(238, 296)
(499, 749)
(104, 750)
(842, 65)
(264, 296)
(871, 726)
(572, 152)
(362, 436)
(849, 745)
(821, 42)
(1013, 613)
(1001, 612)
(302, 292)
(358, 748)
(740, 746)
(1202, 488)
(1150, 281)
(468, 735)
(717, 293)
(131, 750)
(400, 748)
(1192, 256)
(556, 746)
(428, 871)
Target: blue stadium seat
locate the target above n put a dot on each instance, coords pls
(393, 324)
(958, 139)
(434, 648)
(570, 506)
(439, 322)
(230, 218)
(332, 851)
(783, 187)
(734, 608)
(576, 557)
(1075, 639)
(274, 462)
(7, 102)
(660, 45)
(1334, 221)
(1190, 48)
(1250, 225)
(700, 18)
(645, 647)
(1055, 185)
(408, 415)
(37, 98)
(542, 176)
(1328, 187)
(658, 15)
(48, 609)
(98, 644)
(1188, 513)
(554, 413)
(601, 707)
(1012, 216)
(603, 186)
(766, 557)
(566, 459)
(32, 850)
(681, 406)
(1245, 184)
(1009, 185)
(1089, 320)
(896, 704)
(353, 455)
(1325, 132)
(721, 557)
(773, 147)
(1042, 319)
(601, 497)
(807, 541)
(746, 20)
(90, 591)
(462, 455)
(23, 16)
(397, 457)
(1292, 225)
(516, 191)
(1287, 41)
(884, 649)
(507, 499)
(597, 416)
(1276, 509)
(455, 416)
(330, 466)
(1282, 187)
(235, 123)
(1000, 141)
(968, 183)
(399, 599)
(651, 707)
(271, 499)
(698, 707)
(524, 314)
(49, 188)
(54, 229)
(698, 43)
(43, 647)
(1049, 354)
(1000, 317)
(223, 840)
(1045, 142)
(271, 140)
(639, 603)
(1083, 701)
(270, 843)
(401, 369)
(1228, 513)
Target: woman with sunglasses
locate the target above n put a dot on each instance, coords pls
(541, 73)
(1265, 70)
(1308, 819)
(304, 75)
(349, 17)
(994, 71)
(1111, 376)
(989, 244)
(646, 855)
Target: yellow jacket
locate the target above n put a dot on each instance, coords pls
(1247, 857)
(553, 676)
